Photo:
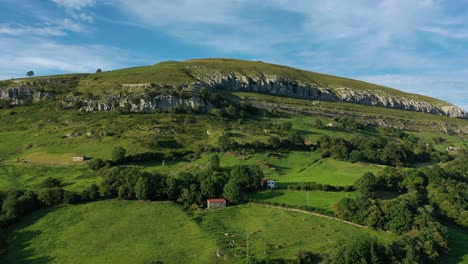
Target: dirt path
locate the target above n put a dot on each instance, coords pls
(311, 213)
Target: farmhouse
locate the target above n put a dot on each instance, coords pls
(268, 183)
(79, 158)
(216, 203)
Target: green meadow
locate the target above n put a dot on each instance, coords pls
(110, 232)
(317, 199)
(140, 232)
(275, 232)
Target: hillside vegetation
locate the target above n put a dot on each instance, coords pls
(355, 182)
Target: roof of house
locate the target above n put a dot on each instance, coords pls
(216, 200)
(267, 179)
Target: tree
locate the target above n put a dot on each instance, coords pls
(118, 155)
(50, 183)
(90, 194)
(30, 73)
(142, 188)
(346, 208)
(248, 176)
(295, 139)
(359, 248)
(96, 164)
(98, 70)
(400, 217)
(50, 196)
(224, 143)
(232, 191)
(366, 184)
(307, 257)
(318, 124)
(213, 165)
(355, 156)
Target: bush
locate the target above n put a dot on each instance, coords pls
(118, 155)
(50, 183)
(50, 196)
(96, 164)
(71, 197)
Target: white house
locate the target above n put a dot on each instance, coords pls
(268, 183)
(79, 158)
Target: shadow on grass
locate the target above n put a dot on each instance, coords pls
(19, 240)
(458, 241)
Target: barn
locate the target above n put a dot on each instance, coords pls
(216, 203)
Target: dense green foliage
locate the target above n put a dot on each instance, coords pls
(380, 150)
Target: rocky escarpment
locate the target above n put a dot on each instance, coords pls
(138, 104)
(276, 85)
(23, 94)
(18, 94)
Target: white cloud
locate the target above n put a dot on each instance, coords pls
(22, 30)
(75, 4)
(44, 57)
(78, 9)
(58, 28)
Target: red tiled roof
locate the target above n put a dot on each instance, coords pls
(216, 200)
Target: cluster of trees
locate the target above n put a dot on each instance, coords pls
(187, 188)
(422, 196)
(225, 107)
(119, 157)
(18, 203)
(379, 150)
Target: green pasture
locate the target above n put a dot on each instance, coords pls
(317, 199)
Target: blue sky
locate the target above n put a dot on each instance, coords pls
(419, 46)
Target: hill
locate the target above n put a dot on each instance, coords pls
(148, 88)
(354, 173)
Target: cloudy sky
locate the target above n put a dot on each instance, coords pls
(419, 46)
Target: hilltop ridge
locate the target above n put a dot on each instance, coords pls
(171, 84)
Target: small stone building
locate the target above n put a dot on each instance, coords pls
(268, 183)
(79, 158)
(216, 203)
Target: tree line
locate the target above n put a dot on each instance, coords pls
(423, 196)
(380, 150)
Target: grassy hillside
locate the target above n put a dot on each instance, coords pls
(184, 72)
(276, 232)
(110, 232)
(141, 232)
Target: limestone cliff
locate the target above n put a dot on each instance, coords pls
(276, 85)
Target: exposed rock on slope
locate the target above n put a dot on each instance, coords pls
(142, 104)
(275, 85)
(23, 94)
(118, 88)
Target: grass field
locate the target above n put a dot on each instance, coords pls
(139, 232)
(294, 167)
(458, 241)
(317, 199)
(74, 178)
(276, 232)
(110, 232)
